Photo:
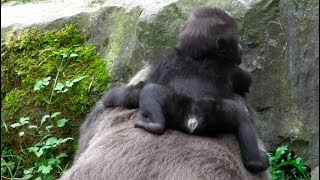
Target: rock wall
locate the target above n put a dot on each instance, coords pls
(280, 39)
(283, 55)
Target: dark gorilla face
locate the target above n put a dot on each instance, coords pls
(210, 33)
(229, 50)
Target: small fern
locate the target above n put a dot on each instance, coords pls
(285, 165)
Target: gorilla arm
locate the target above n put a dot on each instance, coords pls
(127, 96)
(241, 81)
(123, 96)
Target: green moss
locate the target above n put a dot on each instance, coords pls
(121, 42)
(162, 32)
(12, 101)
(33, 55)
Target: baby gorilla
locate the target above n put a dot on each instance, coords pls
(193, 88)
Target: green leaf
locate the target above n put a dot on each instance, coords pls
(62, 122)
(61, 155)
(49, 127)
(24, 120)
(78, 79)
(11, 165)
(63, 91)
(32, 127)
(51, 141)
(45, 169)
(42, 83)
(45, 137)
(55, 114)
(59, 87)
(64, 55)
(4, 163)
(3, 171)
(38, 86)
(57, 143)
(45, 81)
(298, 160)
(38, 178)
(21, 133)
(66, 139)
(53, 161)
(289, 157)
(70, 83)
(36, 150)
(46, 147)
(33, 149)
(14, 125)
(4, 125)
(73, 55)
(44, 118)
(39, 153)
(28, 171)
(281, 150)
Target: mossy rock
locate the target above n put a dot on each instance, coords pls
(62, 55)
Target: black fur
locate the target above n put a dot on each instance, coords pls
(192, 88)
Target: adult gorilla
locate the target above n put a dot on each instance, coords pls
(111, 148)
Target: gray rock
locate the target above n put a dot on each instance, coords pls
(280, 39)
(315, 173)
(283, 55)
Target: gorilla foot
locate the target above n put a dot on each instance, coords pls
(149, 125)
(258, 165)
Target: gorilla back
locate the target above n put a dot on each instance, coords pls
(111, 148)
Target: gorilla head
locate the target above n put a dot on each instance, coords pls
(210, 33)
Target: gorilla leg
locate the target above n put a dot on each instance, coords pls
(153, 99)
(123, 96)
(230, 115)
(254, 159)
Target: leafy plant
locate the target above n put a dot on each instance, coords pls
(285, 165)
(43, 167)
(44, 148)
(48, 142)
(10, 163)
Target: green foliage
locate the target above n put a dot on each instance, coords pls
(47, 165)
(50, 81)
(35, 56)
(285, 165)
(10, 163)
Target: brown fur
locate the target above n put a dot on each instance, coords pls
(111, 148)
